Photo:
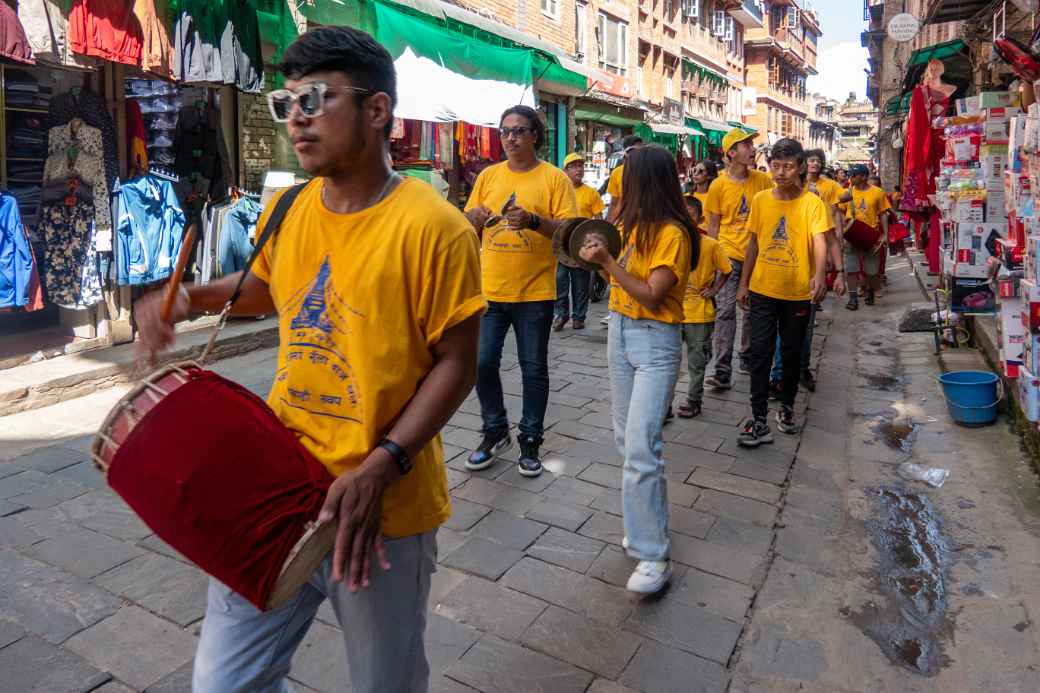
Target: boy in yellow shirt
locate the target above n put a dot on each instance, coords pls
(706, 279)
(516, 206)
(868, 204)
(784, 272)
(728, 207)
(572, 280)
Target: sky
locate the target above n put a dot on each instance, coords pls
(841, 60)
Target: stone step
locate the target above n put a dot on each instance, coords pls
(50, 381)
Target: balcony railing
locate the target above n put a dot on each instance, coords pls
(749, 13)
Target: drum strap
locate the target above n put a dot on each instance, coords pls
(281, 208)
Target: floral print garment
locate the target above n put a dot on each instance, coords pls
(88, 166)
(71, 276)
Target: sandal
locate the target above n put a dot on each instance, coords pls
(689, 410)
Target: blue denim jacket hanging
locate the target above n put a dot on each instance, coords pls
(16, 262)
(149, 230)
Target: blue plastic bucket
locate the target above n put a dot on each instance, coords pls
(972, 396)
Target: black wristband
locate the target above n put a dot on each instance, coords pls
(535, 222)
(400, 456)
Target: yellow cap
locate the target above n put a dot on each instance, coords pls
(735, 137)
(571, 158)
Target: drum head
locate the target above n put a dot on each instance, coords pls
(562, 237)
(594, 227)
(303, 560)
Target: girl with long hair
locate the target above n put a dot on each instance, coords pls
(660, 244)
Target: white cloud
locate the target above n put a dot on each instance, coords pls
(841, 68)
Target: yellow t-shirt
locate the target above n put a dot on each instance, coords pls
(614, 184)
(869, 203)
(785, 231)
(671, 249)
(731, 200)
(518, 264)
(590, 204)
(696, 308)
(362, 299)
(830, 191)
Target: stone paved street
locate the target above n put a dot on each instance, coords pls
(776, 578)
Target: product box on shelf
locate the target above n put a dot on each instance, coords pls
(997, 99)
(1011, 335)
(1009, 368)
(996, 206)
(1011, 256)
(1031, 353)
(969, 295)
(980, 238)
(964, 148)
(1031, 308)
(1029, 394)
(968, 210)
(1032, 258)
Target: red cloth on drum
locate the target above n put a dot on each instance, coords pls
(214, 473)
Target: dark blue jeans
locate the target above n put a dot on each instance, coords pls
(572, 292)
(777, 374)
(532, 323)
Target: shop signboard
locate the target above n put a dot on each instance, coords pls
(903, 27)
(749, 101)
(613, 84)
(673, 111)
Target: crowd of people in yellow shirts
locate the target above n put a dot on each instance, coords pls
(760, 240)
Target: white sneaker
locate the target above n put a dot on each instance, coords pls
(649, 577)
(624, 543)
(605, 320)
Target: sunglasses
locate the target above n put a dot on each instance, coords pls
(518, 132)
(310, 97)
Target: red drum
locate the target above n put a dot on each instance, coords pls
(211, 470)
(862, 236)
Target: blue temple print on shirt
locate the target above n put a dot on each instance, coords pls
(316, 352)
(744, 210)
(780, 234)
(779, 252)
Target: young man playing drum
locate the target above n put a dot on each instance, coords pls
(376, 282)
(867, 204)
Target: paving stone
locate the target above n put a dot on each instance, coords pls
(602, 474)
(442, 582)
(686, 627)
(729, 505)
(15, 534)
(740, 535)
(154, 543)
(769, 652)
(682, 494)
(809, 548)
(666, 670)
(491, 607)
(688, 521)
(602, 452)
(483, 557)
(592, 598)
(566, 549)
(588, 644)
(456, 478)
(84, 474)
(478, 490)
(460, 437)
(508, 530)
(113, 687)
(321, 661)
(442, 684)
(9, 508)
(559, 514)
(533, 484)
(604, 686)
(48, 459)
(608, 528)
(493, 665)
(33, 665)
(609, 501)
(162, 585)
(34, 489)
(48, 601)
(613, 566)
(448, 540)
(720, 560)
(446, 641)
(10, 632)
(465, 514)
(748, 488)
(84, 553)
(103, 511)
(718, 595)
(573, 491)
(560, 465)
(775, 474)
(137, 647)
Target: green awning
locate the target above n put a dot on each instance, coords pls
(955, 58)
(692, 69)
(615, 119)
(557, 79)
(743, 126)
(898, 105)
(667, 140)
(713, 129)
(939, 51)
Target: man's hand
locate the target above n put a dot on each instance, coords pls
(595, 250)
(709, 292)
(839, 284)
(478, 216)
(518, 217)
(818, 287)
(743, 297)
(155, 335)
(879, 245)
(356, 499)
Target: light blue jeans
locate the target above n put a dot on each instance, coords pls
(243, 649)
(644, 357)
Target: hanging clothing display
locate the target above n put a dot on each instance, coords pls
(241, 55)
(149, 230)
(158, 103)
(197, 31)
(72, 276)
(105, 29)
(137, 144)
(199, 147)
(226, 230)
(16, 260)
(14, 44)
(46, 29)
(156, 46)
(85, 104)
(76, 152)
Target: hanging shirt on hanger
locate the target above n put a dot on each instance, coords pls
(90, 107)
(241, 56)
(233, 246)
(137, 146)
(149, 230)
(71, 275)
(197, 32)
(156, 44)
(46, 29)
(105, 29)
(14, 45)
(87, 165)
(16, 261)
(199, 147)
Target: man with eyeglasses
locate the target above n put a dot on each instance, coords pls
(516, 206)
(376, 283)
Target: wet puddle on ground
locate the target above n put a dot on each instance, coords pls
(888, 383)
(913, 558)
(898, 434)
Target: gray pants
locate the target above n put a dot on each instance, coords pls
(243, 649)
(726, 325)
(698, 352)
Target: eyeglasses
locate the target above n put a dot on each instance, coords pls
(310, 97)
(518, 132)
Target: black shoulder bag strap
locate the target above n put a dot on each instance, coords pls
(281, 208)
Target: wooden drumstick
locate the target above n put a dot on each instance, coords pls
(174, 285)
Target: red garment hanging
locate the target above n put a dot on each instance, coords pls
(934, 237)
(13, 43)
(105, 29)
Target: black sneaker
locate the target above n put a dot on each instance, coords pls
(808, 380)
(743, 367)
(718, 382)
(529, 464)
(869, 300)
(775, 388)
(493, 445)
(785, 420)
(755, 432)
